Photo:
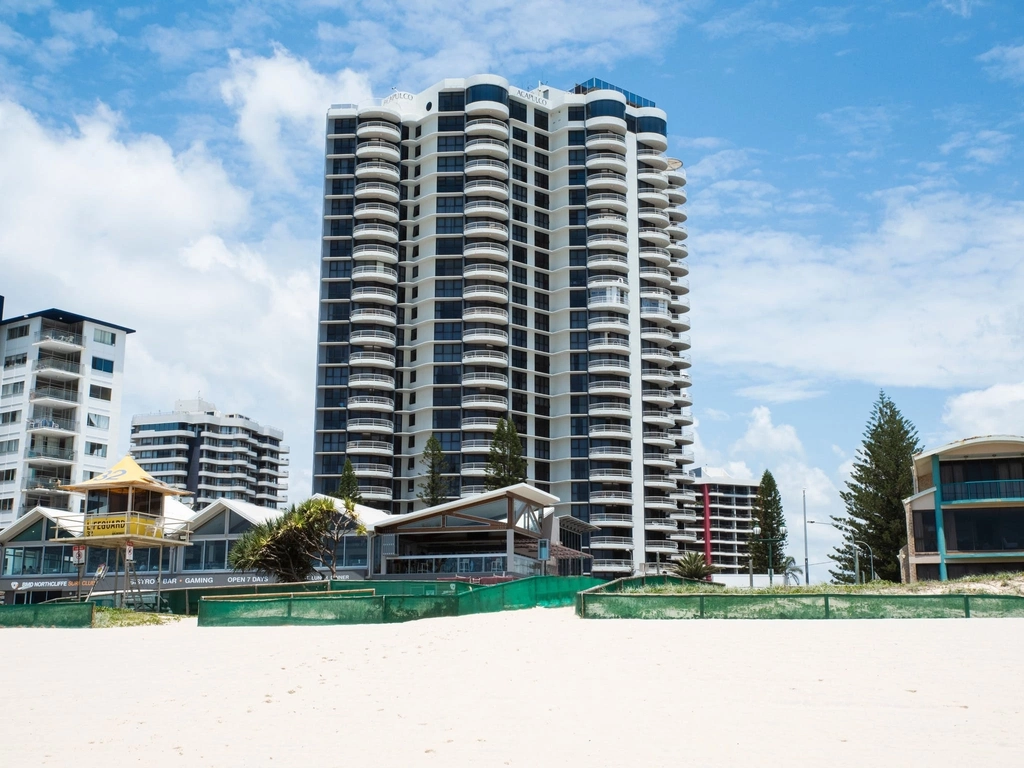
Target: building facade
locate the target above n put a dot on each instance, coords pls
(723, 519)
(60, 406)
(490, 251)
(966, 516)
(212, 455)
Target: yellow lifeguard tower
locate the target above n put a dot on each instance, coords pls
(124, 509)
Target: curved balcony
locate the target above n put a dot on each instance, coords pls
(663, 460)
(611, 566)
(376, 273)
(677, 174)
(607, 299)
(607, 142)
(654, 236)
(610, 453)
(618, 410)
(370, 448)
(611, 519)
(474, 468)
(615, 323)
(678, 249)
(683, 417)
(682, 457)
(608, 220)
(485, 336)
(608, 281)
(379, 170)
(377, 149)
(377, 316)
(613, 344)
(656, 545)
(653, 197)
(683, 399)
(662, 376)
(493, 187)
(611, 200)
(611, 497)
(375, 492)
(486, 207)
(485, 293)
(484, 108)
(486, 402)
(657, 355)
(660, 481)
(653, 140)
(658, 397)
(655, 313)
(611, 431)
(494, 169)
(485, 315)
(485, 379)
(659, 502)
(485, 357)
(373, 470)
(677, 231)
(379, 426)
(655, 293)
(659, 418)
(660, 438)
(605, 475)
(652, 176)
(660, 256)
(377, 189)
(676, 214)
(375, 210)
(684, 515)
(371, 381)
(611, 542)
(479, 424)
(476, 446)
(607, 161)
(378, 129)
(664, 524)
(608, 260)
(375, 294)
(497, 251)
(372, 337)
(370, 403)
(486, 272)
(608, 365)
(376, 232)
(652, 157)
(487, 147)
(675, 196)
(653, 216)
(606, 180)
(486, 229)
(686, 535)
(684, 496)
(612, 388)
(678, 267)
(484, 126)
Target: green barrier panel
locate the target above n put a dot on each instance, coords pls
(896, 607)
(186, 601)
(283, 611)
(756, 607)
(62, 615)
(410, 607)
(387, 587)
(995, 606)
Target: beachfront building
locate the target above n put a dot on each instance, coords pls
(966, 516)
(213, 455)
(721, 519)
(493, 251)
(60, 406)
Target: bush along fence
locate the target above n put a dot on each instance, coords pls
(386, 602)
(600, 604)
(62, 615)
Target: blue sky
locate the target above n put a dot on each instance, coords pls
(855, 213)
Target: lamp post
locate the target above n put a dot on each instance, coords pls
(856, 556)
(769, 542)
(807, 564)
(870, 554)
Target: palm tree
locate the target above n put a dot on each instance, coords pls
(693, 566)
(790, 570)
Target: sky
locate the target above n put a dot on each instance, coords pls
(855, 209)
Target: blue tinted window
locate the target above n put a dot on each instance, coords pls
(486, 93)
(606, 108)
(651, 125)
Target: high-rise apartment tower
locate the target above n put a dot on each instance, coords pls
(492, 251)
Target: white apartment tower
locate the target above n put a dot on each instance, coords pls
(725, 519)
(490, 251)
(212, 455)
(60, 406)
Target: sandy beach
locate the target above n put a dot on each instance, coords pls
(537, 687)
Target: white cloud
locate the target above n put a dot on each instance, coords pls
(764, 438)
(82, 27)
(752, 21)
(783, 391)
(997, 410)
(718, 165)
(700, 142)
(961, 8)
(987, 147)
(861, 126)
(155, 240)
(281, 103)
(715, 415)
(1005, 62)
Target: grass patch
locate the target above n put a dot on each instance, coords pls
(122, 617)
(1002, 583)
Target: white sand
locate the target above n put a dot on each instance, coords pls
(527, 688)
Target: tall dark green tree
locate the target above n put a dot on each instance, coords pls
(348, 485)
(434, 489)
(882, 477)
(769, 516)
(505, 463)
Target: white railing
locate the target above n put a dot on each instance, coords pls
(369, 293)
(484, 357)
(595, 137)
(489, 226)
(470, 379)
(371, 315)
(484, 312)
(378, 402)
(609, 450)
(373, 270)
(485, 270)
(370, 378)
(484, 335)
(470, 401)
(479, 422)
(355, 446)
(476, 205)
(485, 185)
(374, 248)
(354, 425)
(370, 336)
(376, 208)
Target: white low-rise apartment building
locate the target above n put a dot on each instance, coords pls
(60, 406)
(492, 251)
(212, 455)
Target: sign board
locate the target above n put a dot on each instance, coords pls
(78, 554)
(129, 552)
(101, 571)
(119, 525)
(543, 549)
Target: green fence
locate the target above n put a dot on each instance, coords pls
(186, 601)
(599, 604)
(392, 601)
(64, 615)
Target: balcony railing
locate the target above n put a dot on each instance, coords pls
(55, 393)
(64, 337)
(49, 453)
(983, 490)
(56, 364)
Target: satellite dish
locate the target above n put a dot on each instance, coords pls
(674, 164)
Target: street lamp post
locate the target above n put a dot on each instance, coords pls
(807, 565)
(870, 554)
(856, 554)
(769, 542)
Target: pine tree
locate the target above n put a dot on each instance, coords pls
(882, 477)
(505, 464)
(348, 485)
(434, 489)
(769, 516)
